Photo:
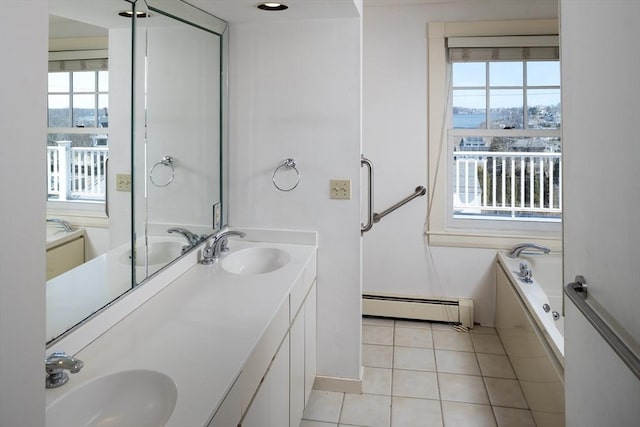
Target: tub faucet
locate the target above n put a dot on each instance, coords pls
(515, 251)
(217, 245)
(192, 238)
(64, 224)
(56, 364)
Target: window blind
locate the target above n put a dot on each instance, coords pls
(99, 64)
(515, 48)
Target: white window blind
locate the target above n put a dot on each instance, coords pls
(516, 48)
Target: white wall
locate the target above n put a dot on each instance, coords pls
(22, 213)
(601, 221)
(396, 257)
(295, 92)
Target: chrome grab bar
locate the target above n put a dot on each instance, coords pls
(577, 293)
(366, 227)
(419, 191)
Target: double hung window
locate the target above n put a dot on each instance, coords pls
(78, 129)
(494, 129)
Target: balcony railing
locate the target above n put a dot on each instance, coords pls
(76, 173)
(507, 184)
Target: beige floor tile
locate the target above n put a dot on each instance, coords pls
(511, 417)
(323, 406)
(419, 359)
(484, 343)
(457, 414)
(419, 324)
(376, 381)
(377, 321)
(423, 385)
(409, 412)
(445, 340)
(441, 326)
(457, 362)
(366, 410)
(479, 329)
(495, 365)
(381, 335)
(377, 356)
(462, 388)
(504, 392)
(307, 423)
(413, 337)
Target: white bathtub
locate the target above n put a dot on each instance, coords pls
(532, 338)
(546, 288)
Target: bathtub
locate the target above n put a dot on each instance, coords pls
(532, 337)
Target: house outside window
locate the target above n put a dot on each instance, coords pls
(495, 161)
(78, 129)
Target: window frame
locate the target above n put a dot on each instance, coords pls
(442, 229)
(82, 207)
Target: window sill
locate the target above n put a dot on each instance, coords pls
(491, 241)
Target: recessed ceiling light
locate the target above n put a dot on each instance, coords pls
(272, 6)
(129, 14)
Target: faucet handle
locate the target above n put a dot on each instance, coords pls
(55, 365)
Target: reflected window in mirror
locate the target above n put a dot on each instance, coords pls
(78, 129)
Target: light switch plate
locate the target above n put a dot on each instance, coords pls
(123, 182)
(340, 189)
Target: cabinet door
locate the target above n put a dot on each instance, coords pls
(310, 342)
(228, 413)
(270, 405)
(297, 370)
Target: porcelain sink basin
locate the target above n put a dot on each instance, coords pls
(255, 261)
(156, 253)
(138, 398)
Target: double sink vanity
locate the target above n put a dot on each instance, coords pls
(226, 344)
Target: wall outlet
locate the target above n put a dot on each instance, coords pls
(123, 182)
(340, 189)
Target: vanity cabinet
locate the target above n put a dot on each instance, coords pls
(64, 257)
(275, 382)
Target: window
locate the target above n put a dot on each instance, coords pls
(495, 166)
(78, 121)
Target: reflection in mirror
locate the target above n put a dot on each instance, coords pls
(177, 70)
(177, 138)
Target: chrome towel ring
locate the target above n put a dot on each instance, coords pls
(165, 161)
(287, 164)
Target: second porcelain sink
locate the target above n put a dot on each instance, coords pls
(156, 253)
(137, 398)
(256, 261)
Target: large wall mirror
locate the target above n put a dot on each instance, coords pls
(137, 131)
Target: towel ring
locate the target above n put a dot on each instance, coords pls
(287, 164)
(165, 161)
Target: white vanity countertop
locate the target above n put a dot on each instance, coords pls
(199, 331)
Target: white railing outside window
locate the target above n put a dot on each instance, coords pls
(76, 173)
(494, 185)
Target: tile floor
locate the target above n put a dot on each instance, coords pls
(421, 374)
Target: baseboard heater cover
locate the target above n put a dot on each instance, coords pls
(454, 310)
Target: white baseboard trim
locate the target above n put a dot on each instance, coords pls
(342, 385)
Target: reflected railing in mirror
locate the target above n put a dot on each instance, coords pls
(76, 172)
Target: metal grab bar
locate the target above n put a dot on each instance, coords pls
(366, 227)
(577, 293)
(419, 191)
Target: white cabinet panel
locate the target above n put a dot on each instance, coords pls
(297, 368)
(310, 312)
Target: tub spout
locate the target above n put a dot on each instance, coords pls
(515, 251)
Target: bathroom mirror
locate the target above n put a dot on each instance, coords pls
(176, 58)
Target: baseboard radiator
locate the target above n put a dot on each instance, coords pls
(453, 310)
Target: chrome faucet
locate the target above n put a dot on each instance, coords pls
(64, 224)
(192, 238)
(217, 245)
(56, 364)
(515, 251)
